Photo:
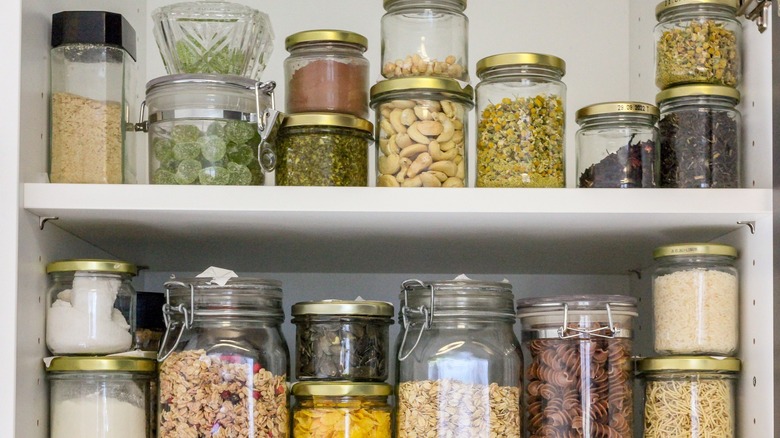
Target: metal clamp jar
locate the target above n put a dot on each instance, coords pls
(698, 41)
(701, 137)
(521, 115)
(341, 409)
(342, 340)
(459, 362)
(421, 131)
(90, 307)
(209, 129)
(696, 299)
(323, 149)
(617, 145)
(326, 71)
(690, 396)
(224, 360)
(101, 397)
(579, 377)
(425, 38)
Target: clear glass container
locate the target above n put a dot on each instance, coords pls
(149, 321)
(101, 397)
(323, 149)
(326, 72)
(579, 379)
(701, 137)
(690, 396)
(223, 360)
(459, 363)
(342, 340)
(617, 145)
(213, 37)
(92, 71)
(696, 299)
(421, 131)
(341, 409)
(521, 117)
(90, 307)
(425, 38)
(698, 41)
(203, 129)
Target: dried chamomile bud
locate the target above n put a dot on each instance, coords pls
(212, 147)
(214, 175)
(187, 172)
(185, 133)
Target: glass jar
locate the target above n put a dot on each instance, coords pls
(617, 145)
(92, 62)
(701, 137)
(696, 299)
(690, 396)
(101, 397)
(224, 359)
(341, 409)
(460, 366)
(326, 72)
(425, 38)
(521, 116)
(342, 340)
(698, 41)
(579, 379)
(91, 307)
(323, 149)
(203, 129)
(421, 132)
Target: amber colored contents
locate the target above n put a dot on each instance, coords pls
(330, 86)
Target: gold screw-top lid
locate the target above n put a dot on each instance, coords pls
(343, 307)
(698, 90)
(617, 108)
(422, 84)
(340, 389)
(688, 363)
(671, 4)
(325, 35)
(95, 265)
(103, 363)
(519, 58)
(335, 120)
(683, 249)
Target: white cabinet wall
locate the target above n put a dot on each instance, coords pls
(343, 242)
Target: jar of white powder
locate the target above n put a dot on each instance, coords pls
(91, 307)
(696, 299)
(101, 397)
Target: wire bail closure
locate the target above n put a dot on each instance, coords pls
(268, 122)
(406, 311)
(168, 310)
(611, 330)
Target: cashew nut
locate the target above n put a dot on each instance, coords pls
(387, 181)
(440, 175)
(423, 113)
(389, 164)
(395, 121)
(413, 150)
(448, 129)
(446, 146)
(430, 128)
(416, 135)
(446, 106)
(447, 167)
(387, 127)
(457, 137)
(437, 154)
(403, 140)
(421, 163)
(401, 175)
(388, 146)
(429, 180)
(412, 182)
(461, 172)
(408, 117)
(453, 182)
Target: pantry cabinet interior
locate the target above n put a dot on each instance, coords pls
(345, 242)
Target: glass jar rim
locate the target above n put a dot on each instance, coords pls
(422, 84)
(343, 308)
(667, 5)
(458, 298)
(329, 120)
(698, 90)
(242, 83)
(326, 36)
(688, 363)
(460, 4)
(617, 108)
(102, 364)
(521, 59)
(689, 249)
(341, 389)
(92, 265)
(239, 297)
(619, 305)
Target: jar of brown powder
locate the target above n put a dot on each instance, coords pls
(326, 72)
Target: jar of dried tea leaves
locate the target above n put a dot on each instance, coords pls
(617, 145)
(342, 340)
(459, 362)
(224, 360)
(521, 114)
(323, 149)
(698, 41)
(701, 137)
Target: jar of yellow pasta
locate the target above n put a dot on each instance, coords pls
(343, 409)
(690, 396)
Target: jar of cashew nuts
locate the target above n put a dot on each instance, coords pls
(421, 131)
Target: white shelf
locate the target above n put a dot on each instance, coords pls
(319, 229)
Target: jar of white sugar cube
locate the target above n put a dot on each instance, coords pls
(696, 299)
(90, 307)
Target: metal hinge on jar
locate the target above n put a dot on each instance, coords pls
(757, 11)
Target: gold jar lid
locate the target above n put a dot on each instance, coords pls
(617, 108)
(520, 58)
(326, 35)
(684, 249)
(331, 120)
(422, 84)
(94, 265)
(671, 4)
(102, 363)
(341, 389)
(343, 307)
(688, 363)
(698, 90)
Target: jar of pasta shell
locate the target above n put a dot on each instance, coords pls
(459, 368)
(578, 377)
(690, 396)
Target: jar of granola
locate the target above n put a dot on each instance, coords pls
(224, 360)
(459, 362)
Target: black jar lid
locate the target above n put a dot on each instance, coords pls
(93, 27)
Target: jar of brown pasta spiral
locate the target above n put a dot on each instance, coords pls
(578, 373)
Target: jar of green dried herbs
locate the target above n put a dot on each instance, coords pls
(700, 133)
(521, 103)
(323, 149)
(698, 41)
(617, 145)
